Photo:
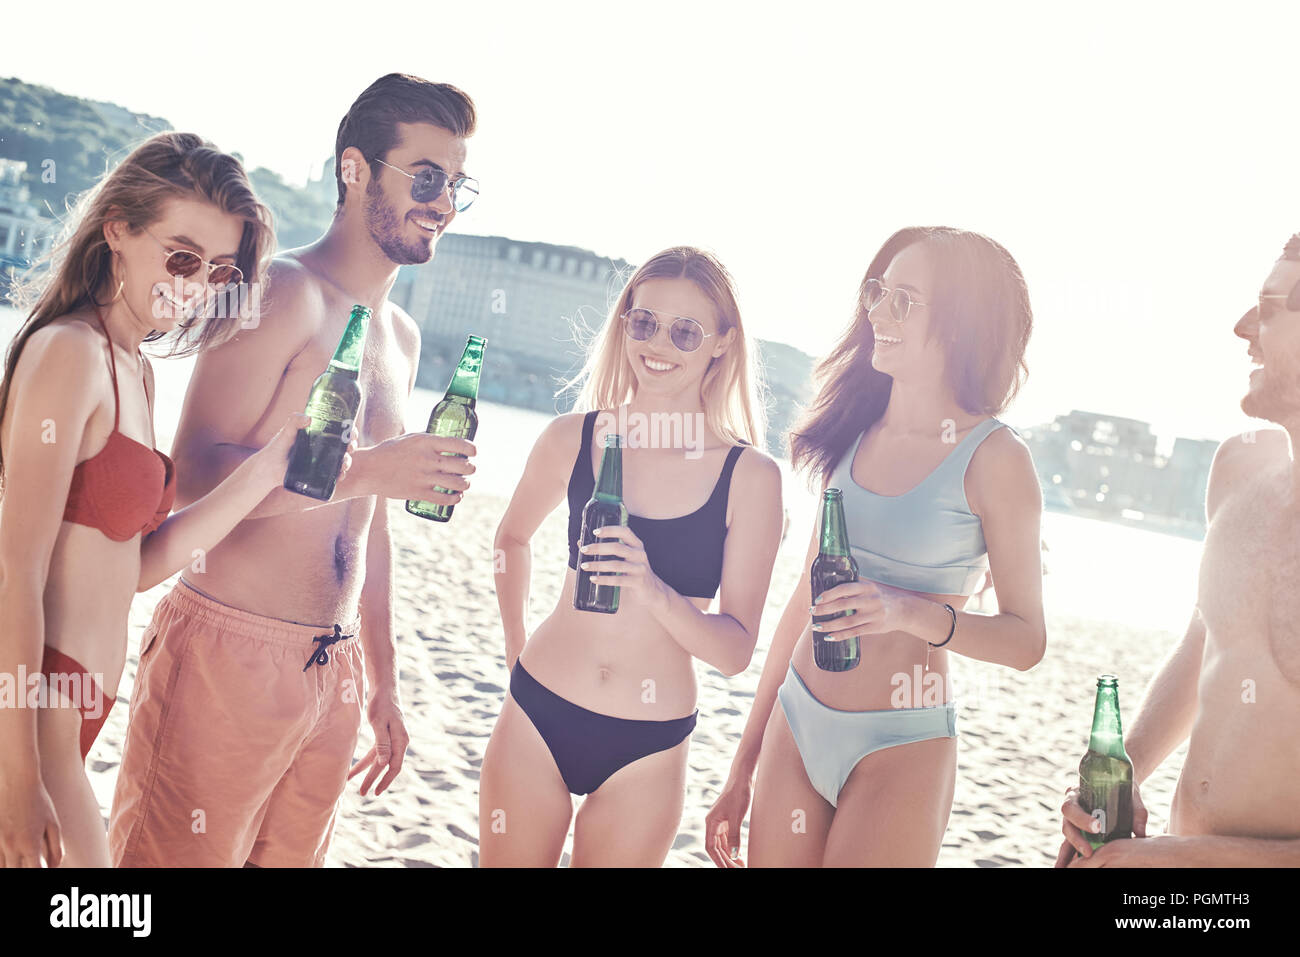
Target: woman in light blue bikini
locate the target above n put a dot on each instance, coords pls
(857, 768)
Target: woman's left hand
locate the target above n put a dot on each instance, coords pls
(877, 610)
(632, 573)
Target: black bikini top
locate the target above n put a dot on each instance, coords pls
(686, 551)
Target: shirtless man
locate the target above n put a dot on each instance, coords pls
(248, 696)
(1234, 680)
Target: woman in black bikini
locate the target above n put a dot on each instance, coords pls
(604, 705)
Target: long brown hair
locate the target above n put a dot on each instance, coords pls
(980, 314)
(79, 268)
(730, 389)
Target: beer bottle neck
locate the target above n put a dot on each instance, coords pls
(609, 486)
(464, 381)
(1107, 735)
(347, 357)
(835, 535)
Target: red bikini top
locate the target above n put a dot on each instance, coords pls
(127, 488)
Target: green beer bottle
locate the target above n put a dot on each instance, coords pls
(318, 450)
(605, 508)
(833, 566)
(1106, 773)
(454, 416)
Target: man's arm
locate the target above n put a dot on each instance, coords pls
(377, 606)
(1168, 709)
(377, 588)
(1203, 850)
(237, 399)
(383, 701)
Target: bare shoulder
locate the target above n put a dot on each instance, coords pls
(756, 476)
(294, 301)
(289, 277)
(755, 490)
(1002, 470)
(562, 435)
(66, 350)
(1251, 448)
(555, 451)
(63, 348)
(1241, 456)
(406, 329)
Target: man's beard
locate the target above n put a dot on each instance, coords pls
(1274, 400)
(386, 230)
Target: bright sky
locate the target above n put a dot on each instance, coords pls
(1139, 160)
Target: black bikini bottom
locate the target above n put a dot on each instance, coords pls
(587, 746)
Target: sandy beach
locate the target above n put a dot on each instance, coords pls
(1020, 735)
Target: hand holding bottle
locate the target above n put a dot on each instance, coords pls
(633, 573)
(866, 608)
(414, 465)
(315, 461)
(270, 462)
(1077, 823)
(455, 417)
(594, 592)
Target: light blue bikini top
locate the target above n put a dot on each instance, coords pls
(925, 540)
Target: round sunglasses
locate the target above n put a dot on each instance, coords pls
(184, 263)
(428, 184)
(874, 292)
(685, 333)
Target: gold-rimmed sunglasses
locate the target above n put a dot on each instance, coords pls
(684, 332)
(184, 263)
(874, 292)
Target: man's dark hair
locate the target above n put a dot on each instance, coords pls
(370, 124)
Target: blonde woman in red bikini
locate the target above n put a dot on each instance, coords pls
(84, 494)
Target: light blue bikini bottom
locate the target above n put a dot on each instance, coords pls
(832, 742)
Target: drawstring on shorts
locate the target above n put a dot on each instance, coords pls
(320, 656)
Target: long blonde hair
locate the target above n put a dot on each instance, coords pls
(731, 389)
(79, 268)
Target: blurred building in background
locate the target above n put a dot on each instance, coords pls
(1106, 466)
(532, 301)
(538, 305)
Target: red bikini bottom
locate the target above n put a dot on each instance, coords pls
(83, 688)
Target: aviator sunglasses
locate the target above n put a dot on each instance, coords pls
(184, 263)
(1292, 302)
(686, 334)
(900, 300)
(428, 184)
